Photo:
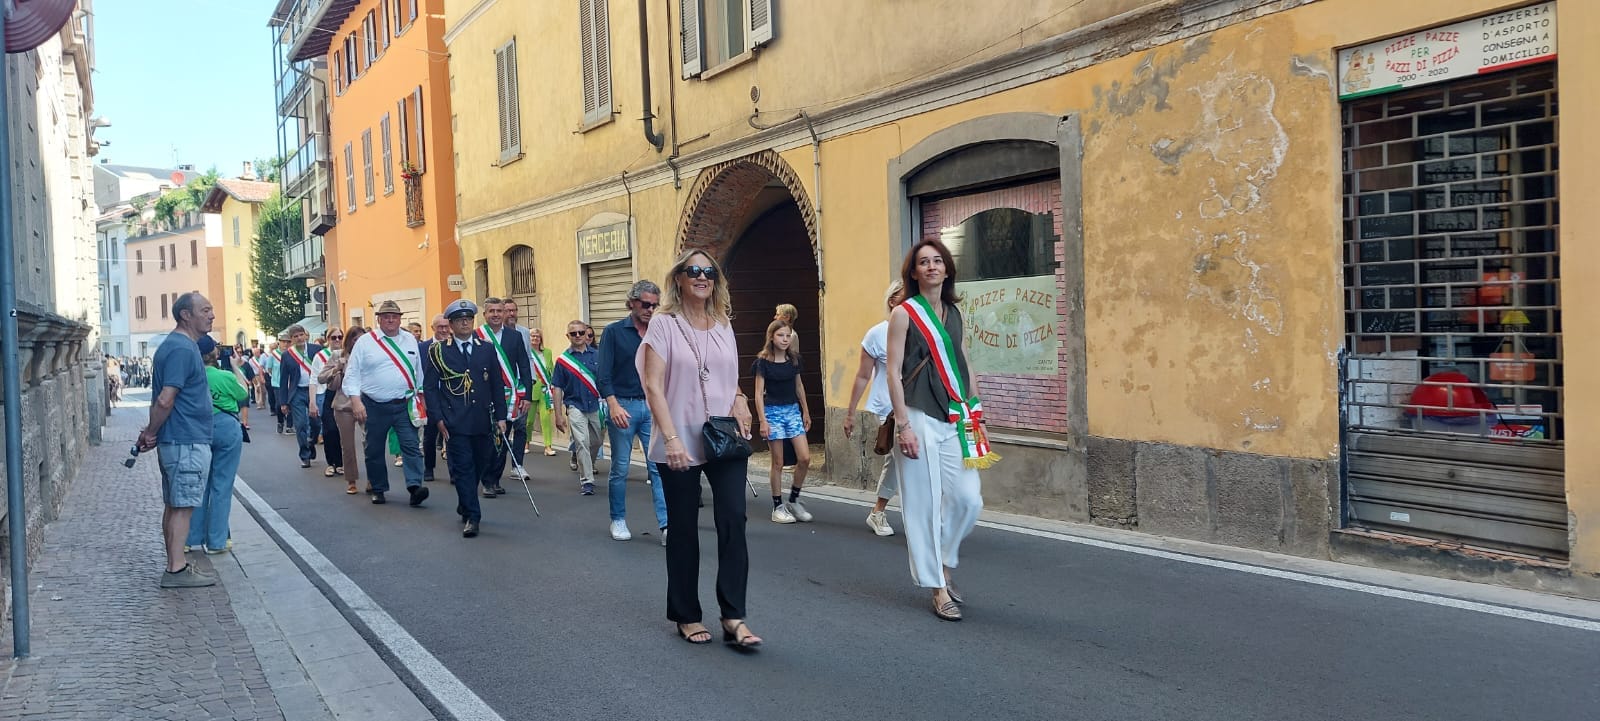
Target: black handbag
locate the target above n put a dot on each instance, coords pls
(720, 435)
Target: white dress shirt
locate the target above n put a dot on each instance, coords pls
(370, 372)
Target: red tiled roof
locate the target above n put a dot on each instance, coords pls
(244, 191)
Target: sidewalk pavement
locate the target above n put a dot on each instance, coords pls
(109, 643)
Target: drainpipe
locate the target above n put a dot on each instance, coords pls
(650, 134)
(16, 510)
(672, 102)
(816, 203)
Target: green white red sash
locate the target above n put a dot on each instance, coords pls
(585, 377)
(299, 359)
(966, 411)
(542, 377)
(325, 355)
(416, 408)
(514, 390)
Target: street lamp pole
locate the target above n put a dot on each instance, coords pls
(16, 513)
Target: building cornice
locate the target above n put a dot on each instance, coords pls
(477, 11)
(1137, 30)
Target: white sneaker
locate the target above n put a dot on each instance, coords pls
(879, 523)
(798, 511)
(781, 514)
(398, 462)
(619, 531)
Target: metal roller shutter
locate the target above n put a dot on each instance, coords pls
(608, 282)
(1453, 396)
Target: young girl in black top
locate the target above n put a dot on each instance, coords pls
(781, 408)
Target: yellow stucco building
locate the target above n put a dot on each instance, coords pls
(1283, 274)
(235, 204)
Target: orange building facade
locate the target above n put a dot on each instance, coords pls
(391, 159)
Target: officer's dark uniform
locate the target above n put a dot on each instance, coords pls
(464, 391)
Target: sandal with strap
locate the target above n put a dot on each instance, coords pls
(947, 611)
(694, 637)
(732, 637)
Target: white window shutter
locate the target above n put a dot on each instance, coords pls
(761, 21)
(602, 59)
(586, 25)
(500, 97)
(691, 36)
(513, 101)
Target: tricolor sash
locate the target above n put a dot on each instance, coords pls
(541, 375)
(415, 407)
(514, 390)
(585, 378)
(325, 355)
(966, 411)
(299, 359)
(255, 365)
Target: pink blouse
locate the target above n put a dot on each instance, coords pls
(666, 334)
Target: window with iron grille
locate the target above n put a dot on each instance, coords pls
(520, 262)
(1452, 264)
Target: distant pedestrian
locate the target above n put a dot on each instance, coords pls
(296, 388)
(416, 330)
(272, 362)
(384, 383)
(542, 412)
(179, 431)
(938, 423)
(873, 370)
(208, 527)
(629, 415)
(783, 414)
(577, 396)
(689, 361)
(343, 418)
(466, 401)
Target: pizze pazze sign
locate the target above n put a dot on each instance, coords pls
(1011, 325)
(1504, 40)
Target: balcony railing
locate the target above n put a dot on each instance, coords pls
(304, 259)
(304, 164)
(413, 200)
(304, 35)
(291, 86)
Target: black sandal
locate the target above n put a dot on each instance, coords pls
(690, 636)
(732, 637)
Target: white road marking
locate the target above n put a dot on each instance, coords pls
(454, 695)
(1415, 596)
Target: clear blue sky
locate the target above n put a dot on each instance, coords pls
(190, 74)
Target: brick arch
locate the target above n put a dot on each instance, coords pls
(723, 195)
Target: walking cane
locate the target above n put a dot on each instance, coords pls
(521, 474)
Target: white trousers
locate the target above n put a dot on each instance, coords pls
(889, 477)
(585, 430)
(940, 499)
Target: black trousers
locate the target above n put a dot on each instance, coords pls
(430, 448)
(332, 449)
(682, 491)
(467, 459)
(518, 431)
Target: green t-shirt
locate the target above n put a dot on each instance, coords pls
(226, 391)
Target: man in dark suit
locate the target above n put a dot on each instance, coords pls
(294, 392)
(512, 359)
(430, 432)
(465, 395)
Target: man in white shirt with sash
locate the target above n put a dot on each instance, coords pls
(511, 354)
(383, 380)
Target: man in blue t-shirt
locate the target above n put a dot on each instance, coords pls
(179, 431)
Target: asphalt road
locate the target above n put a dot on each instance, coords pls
(548, 618)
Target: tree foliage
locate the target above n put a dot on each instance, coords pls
(269, 169)
(278, 301)
(187, 199)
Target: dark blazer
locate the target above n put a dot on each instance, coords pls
(471, 413)
(289, 377)
(516, 352)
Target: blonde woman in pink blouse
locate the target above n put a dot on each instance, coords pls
(690, 367)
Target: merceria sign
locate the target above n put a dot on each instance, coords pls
(1472, 47)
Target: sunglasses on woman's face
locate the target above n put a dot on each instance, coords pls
(700, 271)
(335, 337)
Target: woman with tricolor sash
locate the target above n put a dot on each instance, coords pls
(543, 413)
(938, 423)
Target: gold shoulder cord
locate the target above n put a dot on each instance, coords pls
(456, 384)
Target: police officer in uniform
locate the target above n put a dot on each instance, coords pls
(466, 401)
